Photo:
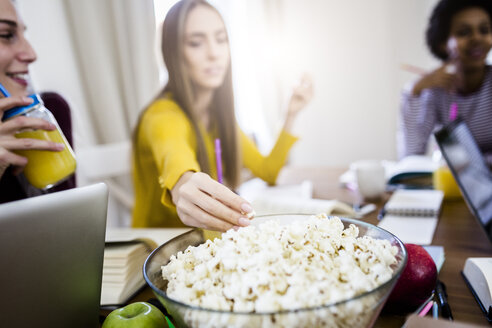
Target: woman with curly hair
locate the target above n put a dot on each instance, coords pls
(460, 35)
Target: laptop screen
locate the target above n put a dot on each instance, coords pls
(470, 170)
(51, 258)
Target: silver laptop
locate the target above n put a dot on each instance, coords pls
(51, 257)
(470, 170)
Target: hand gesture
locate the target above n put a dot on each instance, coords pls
(9, 143)
(444, 77)
(301, 96)
(204, 203)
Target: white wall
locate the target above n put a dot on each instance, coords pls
(56, 69)
(56, 66)
(354, 50)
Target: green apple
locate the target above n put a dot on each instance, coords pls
(135, 315)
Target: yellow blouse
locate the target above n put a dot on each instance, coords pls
(165, 148)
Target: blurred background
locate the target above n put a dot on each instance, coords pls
(104, 58)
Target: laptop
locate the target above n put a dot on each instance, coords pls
(51, 258)
(470, 170)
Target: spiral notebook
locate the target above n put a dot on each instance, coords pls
(412, 215)
(414, 202)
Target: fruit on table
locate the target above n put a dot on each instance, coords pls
(416, 282)
(135, 315)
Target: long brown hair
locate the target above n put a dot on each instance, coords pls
(180, 86)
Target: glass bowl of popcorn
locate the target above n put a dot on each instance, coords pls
(289, 270)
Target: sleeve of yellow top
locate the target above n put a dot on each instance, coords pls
(267, 167)
(168, 134)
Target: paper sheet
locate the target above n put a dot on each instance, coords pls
(437, 254)
(257, 188)
(410, 229)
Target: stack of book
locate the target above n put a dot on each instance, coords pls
(122, 271)
(124, 255)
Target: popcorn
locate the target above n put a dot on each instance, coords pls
(276, 267)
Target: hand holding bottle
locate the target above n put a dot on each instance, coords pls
(8, 129)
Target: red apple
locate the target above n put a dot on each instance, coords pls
(416, 282)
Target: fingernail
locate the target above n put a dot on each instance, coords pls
(251, 214)
(243, 222)
(246, 208)
(27, 99)
(236, 228)
(60, 146)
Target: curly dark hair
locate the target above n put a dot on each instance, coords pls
(440, 22)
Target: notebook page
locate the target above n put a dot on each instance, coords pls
(415, 202)
(410, 229)
(290, 199)
(277, 205)
(257, 188)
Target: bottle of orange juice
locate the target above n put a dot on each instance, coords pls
(44, 169)
(442, 178)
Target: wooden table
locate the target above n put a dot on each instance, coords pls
(457, 230)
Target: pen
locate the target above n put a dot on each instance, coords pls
(413, 69)
(218, 159)
(435, 311)
(426, 309)
(442, 299)
(453, 112)
(423, 305)
(382, 213)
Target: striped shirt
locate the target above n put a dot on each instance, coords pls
(424, 114)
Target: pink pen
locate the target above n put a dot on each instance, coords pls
(218, 159)
(426, 309)
(453, 112)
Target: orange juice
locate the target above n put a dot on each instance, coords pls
(443, 179)
(47, 168)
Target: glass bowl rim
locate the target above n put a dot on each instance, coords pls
(395, 276)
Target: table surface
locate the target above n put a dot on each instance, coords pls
(457, 230)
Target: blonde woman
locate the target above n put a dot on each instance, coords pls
(174, 165)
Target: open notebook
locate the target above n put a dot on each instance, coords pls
(413, 171)
(412, 215)
(290, 199)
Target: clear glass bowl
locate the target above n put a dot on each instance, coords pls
(359, 311)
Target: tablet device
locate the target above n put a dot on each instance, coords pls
(470, 170)
(51, 258)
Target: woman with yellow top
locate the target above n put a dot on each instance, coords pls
(173, 156)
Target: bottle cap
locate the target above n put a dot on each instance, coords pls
(21, 109)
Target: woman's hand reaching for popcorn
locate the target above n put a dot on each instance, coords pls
(204, 203)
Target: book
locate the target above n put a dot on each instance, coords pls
(413, 171)
(477, 273)
(290, 199)
(124, 255)
(412, 215)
